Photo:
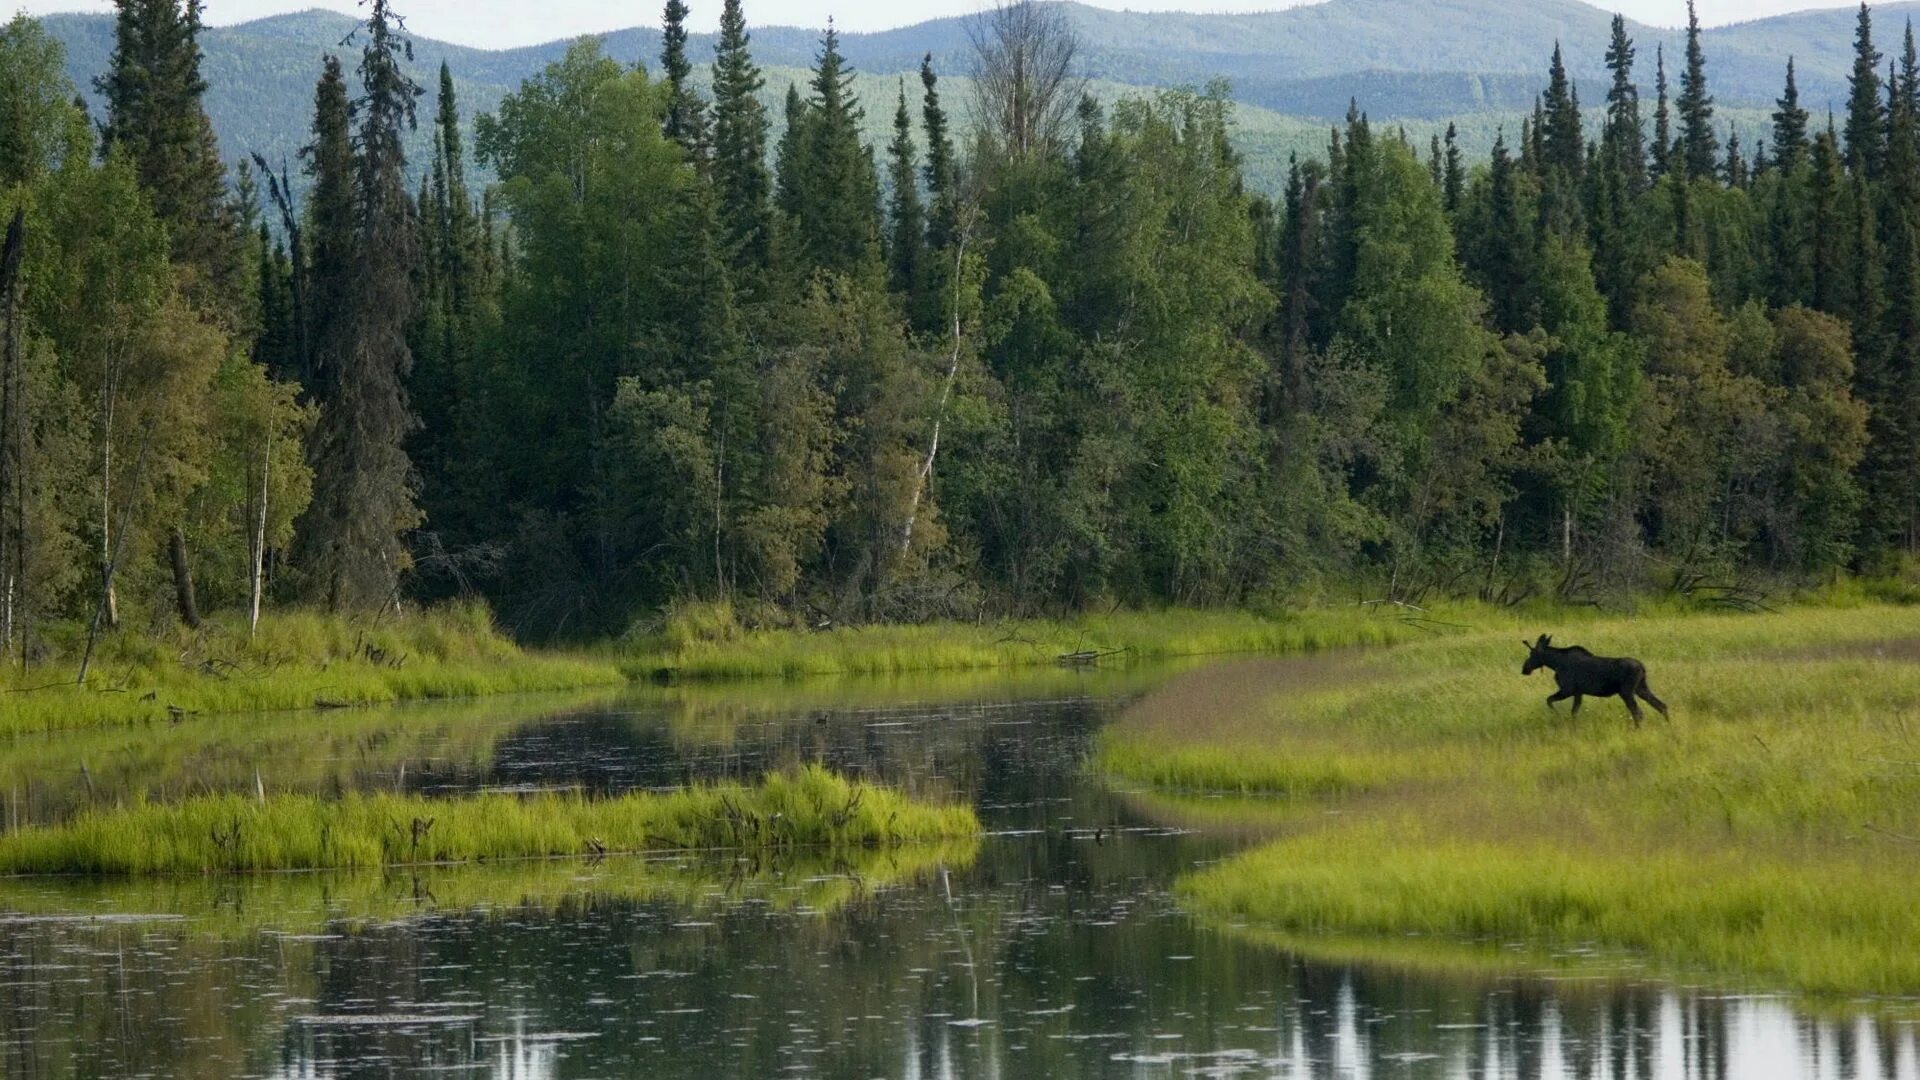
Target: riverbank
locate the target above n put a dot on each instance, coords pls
(707, 644)
(806, 808)
(1765, 834)
(296, 660)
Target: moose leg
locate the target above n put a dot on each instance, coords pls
(1578, 701)
(1632, 706)
(1647, 696)
(1561, 696)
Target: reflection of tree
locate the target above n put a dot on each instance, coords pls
(416, 746)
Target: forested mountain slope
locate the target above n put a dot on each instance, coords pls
(1292, 71)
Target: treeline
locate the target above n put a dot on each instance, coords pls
(1052, 357)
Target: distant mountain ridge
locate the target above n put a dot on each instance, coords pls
(1408, 60)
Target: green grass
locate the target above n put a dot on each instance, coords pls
(298, 660)
(805, 808)
(706, 643)
(1760, 836)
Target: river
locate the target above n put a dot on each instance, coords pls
(1055, 950)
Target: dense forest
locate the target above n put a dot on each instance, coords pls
(1032, 354)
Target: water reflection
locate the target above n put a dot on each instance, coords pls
(1054, 951)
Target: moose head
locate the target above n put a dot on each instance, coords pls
(1536, 654)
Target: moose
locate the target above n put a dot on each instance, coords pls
(1579, 674)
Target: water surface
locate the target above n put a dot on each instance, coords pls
(1054, 949)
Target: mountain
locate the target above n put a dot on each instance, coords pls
(1416, 62)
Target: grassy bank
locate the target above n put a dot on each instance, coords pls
(707, 643)
(296, 660)
(806, 808)
(1765, 834)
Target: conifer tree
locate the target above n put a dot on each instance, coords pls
(832, 195)
(1623, 142)
(1505, 267)
(1695, 105)
(1454, 181)
(1662, 116)
(685, 121)
(906, 248)
(1734, 170)
(154, 91)
(1892, 361)
(1562, 144)
(1866, 118)
(940, 173)
(740, 176)
(1789, 125)
(364, 504)
(330, 207)
(1827, 229)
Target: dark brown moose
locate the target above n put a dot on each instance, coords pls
(1580, 674)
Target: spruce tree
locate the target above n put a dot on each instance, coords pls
(1789, 125)
(1562, 144)
(1892, 361)
(740, 178)
(1866, 118)
(1454, 182)
(155, 115)
(364, 499)
(1623, 143)
(833, 196)
(1695, 105)
(1662, 116)
(942, 180)
(1826, 186)
(685, 121)
(906, 247)
(330, 209)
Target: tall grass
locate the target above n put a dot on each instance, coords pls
(708, 645)
(297, 660)
(1763, 833)
(805, 808)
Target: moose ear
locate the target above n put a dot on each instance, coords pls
(1525, 644)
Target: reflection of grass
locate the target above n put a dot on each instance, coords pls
(722, 651)
(807, 807)
(310, 903)
(297, 661)
(711, 713)
(1754, 836)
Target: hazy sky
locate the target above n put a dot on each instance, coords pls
(496, 23)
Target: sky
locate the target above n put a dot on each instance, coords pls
(503, 23)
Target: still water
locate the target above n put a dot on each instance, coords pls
(1053, 950)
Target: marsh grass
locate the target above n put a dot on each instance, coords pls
(297, 660)
(804, 808)
(1759, 835)
(712, 646)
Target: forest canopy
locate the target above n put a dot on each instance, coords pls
(1031, 355)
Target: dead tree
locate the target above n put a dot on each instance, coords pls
(1026, 86)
